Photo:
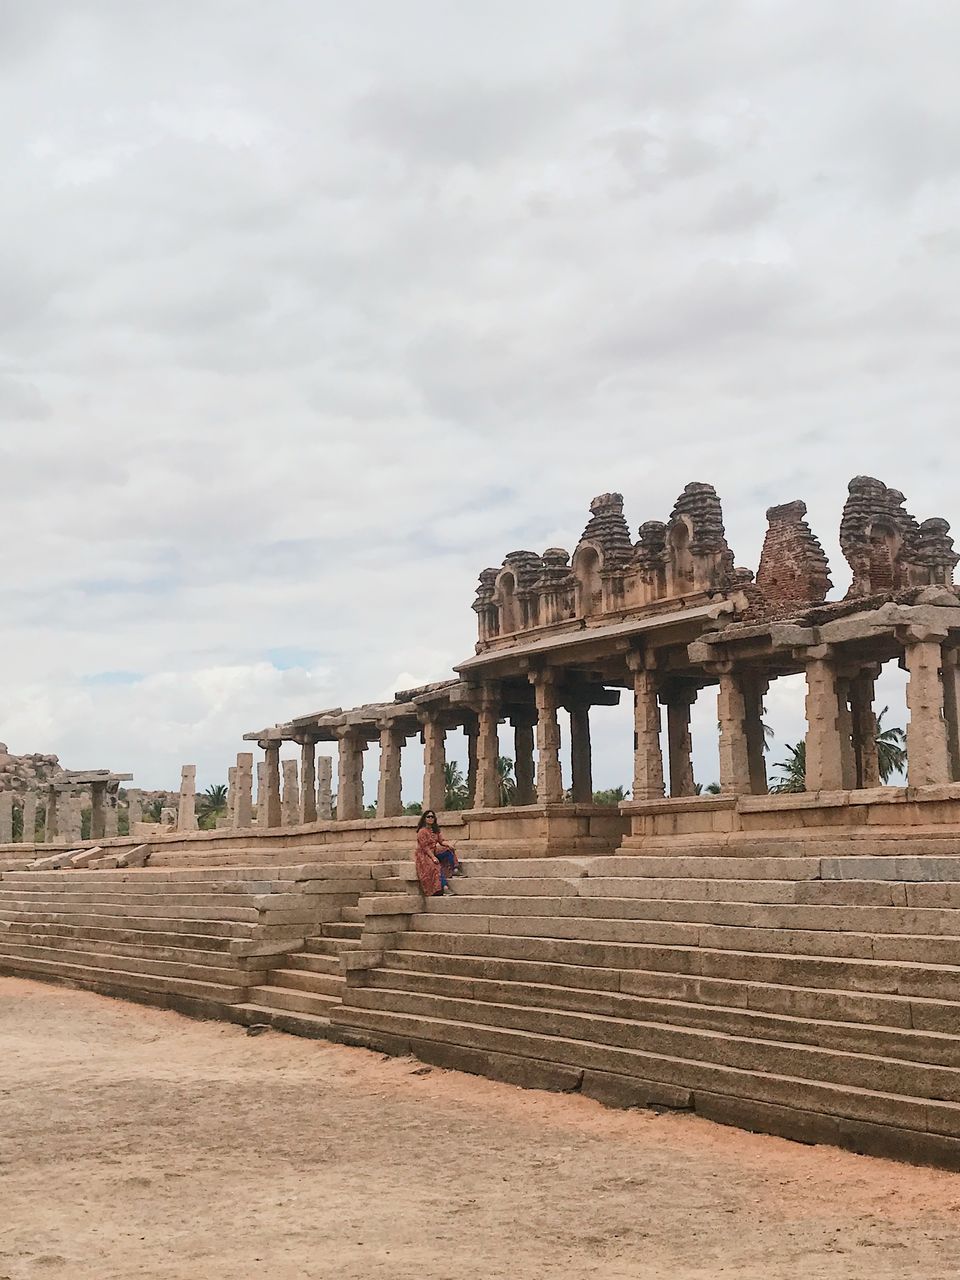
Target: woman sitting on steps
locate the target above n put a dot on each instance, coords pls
(434, 854)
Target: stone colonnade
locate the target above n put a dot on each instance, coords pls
(54, 811)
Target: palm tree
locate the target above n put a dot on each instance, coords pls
(891, 748)
(213, 802)
(793, 776)
(505, 780)
(455, 784)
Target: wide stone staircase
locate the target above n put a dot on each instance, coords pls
(812, 996)
(197, 938)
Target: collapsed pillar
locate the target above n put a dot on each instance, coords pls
(549, 776)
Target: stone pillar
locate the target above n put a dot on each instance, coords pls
(951, 708)
(243, 790)
(549, 777)
(488, 750)
(679, 699)
(647, 755)
(928, 761)
(863, 724)
(434, 765)
(734, 752)
(231, 796)
(53, 823)
(6, 817)
(29, 812)
(134, 807)
(308, 780)
(389, 804)
(754, 688)
(98, 791)
(324, 788)
(187, 804)
(271, 758)
(350, 776)
(523, 757)
(110, 816)
(824, 752)
(262, 805)
(581, 764)
(471, 730)
(848, 759)
(290, 804)
(70, 813)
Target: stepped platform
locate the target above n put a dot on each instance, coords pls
(782, 986)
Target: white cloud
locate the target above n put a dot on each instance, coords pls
(310, 313)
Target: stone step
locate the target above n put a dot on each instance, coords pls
(312, 1026)
(852, 918)
(297, 979)
(296, 1001)
(859, 1037)
(137, 924)
(924, 948)
(776, 997)
(312, 963)
(64, 934)
(339, 929)
(230, 906)
(934, 981)
(930, 1122)
(329, 946)
(179, 967)
(814, 1063)
(351, 915)
(120, 981)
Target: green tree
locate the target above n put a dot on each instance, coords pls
(457, 795)
(506, 783)
(891, 748)
(793, 770)
(412, 810)
(212, 805)
(154, 810)
(612, 796)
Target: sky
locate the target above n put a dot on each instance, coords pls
(312, 310)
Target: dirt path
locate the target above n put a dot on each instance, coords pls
(135, 1142)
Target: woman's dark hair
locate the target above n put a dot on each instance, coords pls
(423, 821)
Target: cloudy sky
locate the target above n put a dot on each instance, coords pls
(310, 310)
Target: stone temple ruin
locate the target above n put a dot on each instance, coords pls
(784, 962)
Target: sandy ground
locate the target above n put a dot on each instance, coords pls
(135, 1142)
